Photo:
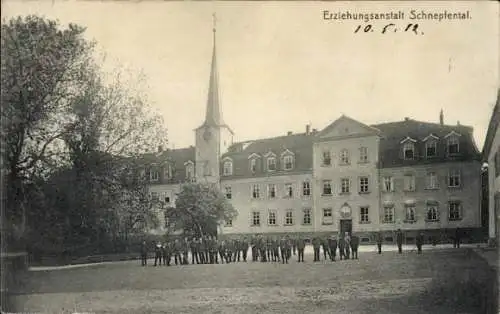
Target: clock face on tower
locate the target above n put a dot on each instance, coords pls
(207, 135)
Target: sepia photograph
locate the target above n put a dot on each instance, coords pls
(250, 157)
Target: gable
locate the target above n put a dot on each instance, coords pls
(347, 127)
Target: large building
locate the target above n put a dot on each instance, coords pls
(491, 154)
(349, 176)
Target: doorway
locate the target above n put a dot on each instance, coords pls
(345, 226)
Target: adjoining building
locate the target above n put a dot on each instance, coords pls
(491, 154)
(348, 177)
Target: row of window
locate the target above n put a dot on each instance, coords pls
(431, 181)
(345, 157)
(431, 142)
(272, 190)
(345, 186)
(154, 174)
(431, 215)
(287, 163)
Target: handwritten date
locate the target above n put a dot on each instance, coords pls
(389, 28)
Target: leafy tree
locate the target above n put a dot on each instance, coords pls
(200, 209)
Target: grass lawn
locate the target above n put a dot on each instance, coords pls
(442, 281)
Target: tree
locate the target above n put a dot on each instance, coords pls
(41, 69)
(200, 209)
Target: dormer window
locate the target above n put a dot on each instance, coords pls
(271, 164)
(154, 175)
(288, 162)
(344, 157)
(253, 165)
(409, 150)
(227, 168)
(431, 148)
(453, 145)
(189, 172)
(167, 172)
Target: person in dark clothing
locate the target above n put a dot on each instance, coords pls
(284, 246)
(201, 252)
(380, 239)
(326, 249)
(207, 249)
(347, 245)
(229, 250)
(341, 242)
(167, 249)
(158, 249)
(194, 251)
(222, 250)
(354, 246)
(177, 252)
(275, 250)
(262, 249)
(269, 248)
(244, 249)
(185, 252)
(253, 244)
(456, 240)
(144, 254)
(316, 242)
(332, 246)
(420, 242)
(399, 240)
(294, 245)
(301, 245)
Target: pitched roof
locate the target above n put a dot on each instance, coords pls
(492, 128)
(176, 158)
(301, 145)
(393, 133)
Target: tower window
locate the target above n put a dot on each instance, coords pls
(228, 168)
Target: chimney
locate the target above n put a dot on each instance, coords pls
(289, 133)
(407, 119)
(315, 131)
(441, 117)
(160, 148)
(308, 129)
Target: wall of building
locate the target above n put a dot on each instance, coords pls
(494, 188)
(244, 204)
(469, 194)
(354, 200)
(163, 191)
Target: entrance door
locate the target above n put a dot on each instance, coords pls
(345, 226)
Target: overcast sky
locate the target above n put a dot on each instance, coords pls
(282, 66)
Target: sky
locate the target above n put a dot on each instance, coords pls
(282, 65)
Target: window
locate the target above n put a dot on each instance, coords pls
(154, 175)
(167, 172)
(364, 217)
(389, 214)
(388, 184)
(345, 185)
(271, 164)
(155, 197)
(306, 218)
(431, 149)
(432, 212)
(271, 219)
(363, 185)
(255, 219)
(409, 182)
(167, 199)
(189, 172)
(253, 165)
(288, 162)
(228, 222)
(432, 180)
(455, 210)
(327, 216)
(289, 217)
(327, 158)
(496, 164)
(363, 154)
(344, 157)
(410, 213)
(271, 190)
(327, 187)
(255, 191)
(409, 150)
(228, 192)
(453, 145)
(228, 168)
(289, 190)
(306, 188)
(454, 178)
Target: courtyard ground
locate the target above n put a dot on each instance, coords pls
(438, 281)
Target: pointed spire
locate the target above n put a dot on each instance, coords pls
(213, 116)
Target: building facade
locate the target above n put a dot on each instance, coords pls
(491, 154)
(348, 177)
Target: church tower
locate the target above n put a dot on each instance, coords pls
(213, 137)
